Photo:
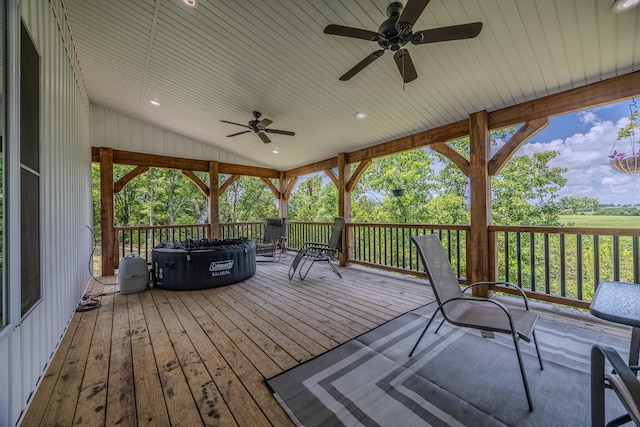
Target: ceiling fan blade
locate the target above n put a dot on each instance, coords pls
(339, 30)
(405, 65)
(232, 123)
(280, 132)
(264, 123)
(454, 32)
(239, 133)
(360, 65)
(263, 136)
(410, 15)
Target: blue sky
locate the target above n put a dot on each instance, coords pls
(585, 140)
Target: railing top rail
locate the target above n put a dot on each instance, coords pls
(419, 226)
(568, 230)
(156, 227)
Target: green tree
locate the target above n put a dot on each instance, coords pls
(525, 192)
(247, 199)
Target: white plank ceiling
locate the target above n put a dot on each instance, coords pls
(226, 58)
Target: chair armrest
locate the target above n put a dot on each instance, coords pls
(622, 380)
(507, 284)
(315, 244)
(322, 249)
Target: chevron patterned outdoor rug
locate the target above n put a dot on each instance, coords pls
(455, 378)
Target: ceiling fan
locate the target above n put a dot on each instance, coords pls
(397, 31)
(259, 127)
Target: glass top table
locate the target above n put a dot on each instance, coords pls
(620, 302)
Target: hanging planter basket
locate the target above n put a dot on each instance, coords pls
(626, 164)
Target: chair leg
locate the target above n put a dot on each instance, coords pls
(294, 264)
(424, 331)
(304, 261)
(524, 374)
(597, 388)
(335, 270)
(440, 326)
(535, 341)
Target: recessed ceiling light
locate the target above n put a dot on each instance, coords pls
(361, 115)
(191, 3)
(276, 151)
(154, 103)
(620, 6)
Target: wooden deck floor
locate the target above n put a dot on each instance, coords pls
(200, 357)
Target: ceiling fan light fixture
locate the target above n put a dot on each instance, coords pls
(191, 3)
(620, 6)
(361, 115)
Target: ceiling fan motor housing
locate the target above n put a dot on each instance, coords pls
(390, 37)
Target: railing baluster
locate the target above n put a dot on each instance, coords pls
(547, 273)
(596, 261)
(532, 260)
(506, 256)
(579, 264)
(519, 258)
(616, 258)
(563, 270)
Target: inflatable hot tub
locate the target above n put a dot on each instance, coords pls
(202, 263)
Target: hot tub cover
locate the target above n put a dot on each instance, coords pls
(202, 263)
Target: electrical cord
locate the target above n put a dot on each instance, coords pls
(88, 301)
(93, 249)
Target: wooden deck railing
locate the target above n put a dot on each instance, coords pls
(558, 264)
(565, 265)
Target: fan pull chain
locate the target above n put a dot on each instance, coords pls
(403, 72)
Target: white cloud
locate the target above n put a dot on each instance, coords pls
(587, 116)
(586, 155)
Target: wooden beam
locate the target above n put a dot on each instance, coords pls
(122, 157)
(197, 181)
(453, 155)
(283, 201)
(289, 189)
(119, 185)
(523, 134)
(229, 169)
(332, 176)
(227, 183)
(106, 211)
(312, 168)
(444, 133)
(606, 91)
(357, 174)
(214, 202)
(344, 205)
(478, 247)
(270, 186)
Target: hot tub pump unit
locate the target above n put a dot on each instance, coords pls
(133, 274)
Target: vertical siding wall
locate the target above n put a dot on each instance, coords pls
(65, 210)
(118, 131)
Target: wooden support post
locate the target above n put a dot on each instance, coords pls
(478, 257)
(214, 205)
(344, 205)
(109, 252)
(283, 201)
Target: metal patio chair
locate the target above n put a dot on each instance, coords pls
(272, 243)
(461, 309)
(621, 379)
(313, 252)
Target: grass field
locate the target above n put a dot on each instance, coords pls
(601, 221)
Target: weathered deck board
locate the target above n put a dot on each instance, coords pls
(200, 357)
